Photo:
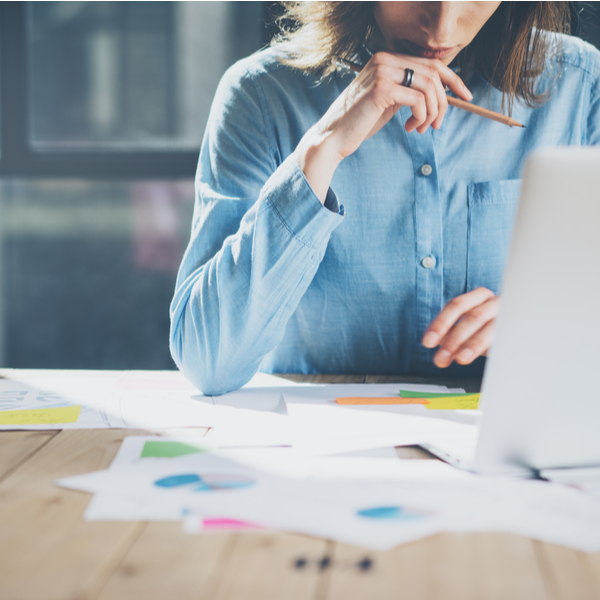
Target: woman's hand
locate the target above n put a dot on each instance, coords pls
(368, 103)
(464, 329)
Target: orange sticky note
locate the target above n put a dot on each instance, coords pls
(366, 401)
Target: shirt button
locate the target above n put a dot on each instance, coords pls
(428, 262)
(426, 170)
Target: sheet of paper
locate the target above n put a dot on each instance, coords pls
(312, 423)
(584, 478)
(40, 395)
(263, 393)
(167, 400)
(143, 449)
(144, 402)
(327, 394)
(323, 428)
(389, 452)
(136, 449)
(371, 502)
(202, 483)
(255, 396)
(549, 513)
(328, 429)
(148, 401)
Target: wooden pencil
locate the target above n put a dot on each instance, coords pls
(483, 112)
(456, 102)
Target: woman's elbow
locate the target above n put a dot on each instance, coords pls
(202, 366)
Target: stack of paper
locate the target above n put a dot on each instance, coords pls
(269, 411)
(267, 462)
(367, 501)
(31, 400)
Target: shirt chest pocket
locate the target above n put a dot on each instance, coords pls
(492, 210)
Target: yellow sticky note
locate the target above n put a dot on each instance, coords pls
(463, 402)
(41, 416)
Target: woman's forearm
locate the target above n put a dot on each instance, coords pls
(230, 308)
(318, 159)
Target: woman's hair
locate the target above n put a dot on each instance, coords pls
(510, 51)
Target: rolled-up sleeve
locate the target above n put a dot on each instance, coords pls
(258, 236)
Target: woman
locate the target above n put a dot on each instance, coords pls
(338, 214)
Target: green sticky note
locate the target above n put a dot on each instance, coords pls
(159, 449)
(409, 394)
(41, 416)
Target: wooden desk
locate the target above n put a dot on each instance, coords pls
(48, 551)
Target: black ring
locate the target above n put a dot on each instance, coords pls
(409, 75)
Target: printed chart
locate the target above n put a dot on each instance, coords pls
(205, 483)
(395, 513)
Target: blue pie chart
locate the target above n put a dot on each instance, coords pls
(204, 483)
(392, 513)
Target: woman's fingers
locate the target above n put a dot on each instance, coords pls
(426, 81)
(421, 96)
(389, 96)
(375, 96)
(470, 338)
(476, 346)
(464, 328)
(428, 85)
(447, 76)
(430, 77)
(452, 312)
(450, 79)
(366, 105)
(431, 85)
(442, 76)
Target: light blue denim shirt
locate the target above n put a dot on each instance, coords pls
(273, 280)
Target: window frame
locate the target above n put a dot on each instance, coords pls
(19, 158)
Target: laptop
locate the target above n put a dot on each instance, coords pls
(539, 400)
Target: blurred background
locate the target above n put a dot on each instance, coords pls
(102, 111)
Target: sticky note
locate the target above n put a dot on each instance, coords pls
(432, 402)
(366, 401)
(461, 402)
(409, 394)
(41, 416)
(159, 449)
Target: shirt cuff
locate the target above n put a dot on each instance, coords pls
(333, 204)
(291, 196)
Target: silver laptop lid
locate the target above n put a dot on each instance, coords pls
(541, 387)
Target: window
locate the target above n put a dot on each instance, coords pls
(103, 108)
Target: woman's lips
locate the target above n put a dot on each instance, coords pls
(426, 51)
